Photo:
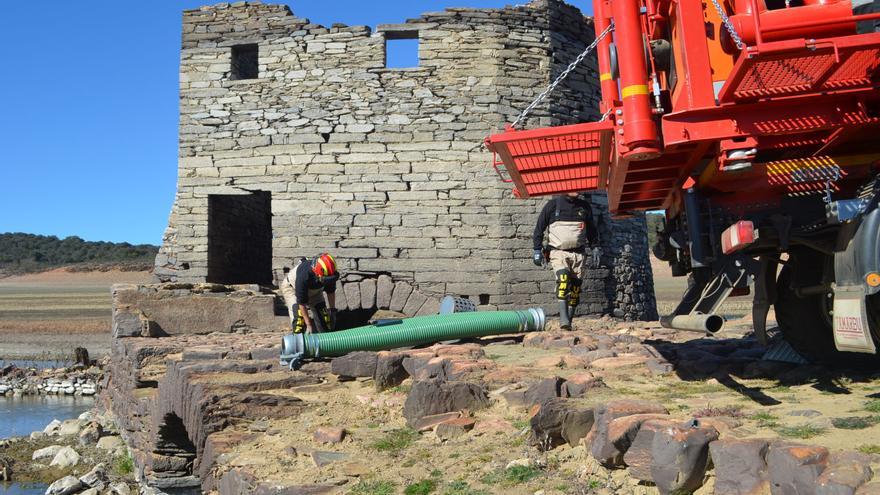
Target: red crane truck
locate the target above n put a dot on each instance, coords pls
(755, 126)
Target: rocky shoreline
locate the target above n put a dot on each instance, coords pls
(612, 407)
(73, 381)
(79, 455)
(82, 455)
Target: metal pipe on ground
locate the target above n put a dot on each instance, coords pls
(392, 334)
(693, 323)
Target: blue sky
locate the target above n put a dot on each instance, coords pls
(88, 138)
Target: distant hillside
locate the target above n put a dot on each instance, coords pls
(27, 253)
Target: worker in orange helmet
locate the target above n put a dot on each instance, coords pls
(304, 288)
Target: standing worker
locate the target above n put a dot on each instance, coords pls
(569, 221)
(303, 289)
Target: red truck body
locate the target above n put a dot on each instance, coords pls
(719, 113)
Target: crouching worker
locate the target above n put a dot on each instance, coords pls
(569, 222)
(304, 288)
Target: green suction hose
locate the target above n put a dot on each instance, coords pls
(409, 332)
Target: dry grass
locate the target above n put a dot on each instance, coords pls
(86, 326)
(59, 302)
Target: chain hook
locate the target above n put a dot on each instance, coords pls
(544, 94)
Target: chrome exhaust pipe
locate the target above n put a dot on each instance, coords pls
(693, 323)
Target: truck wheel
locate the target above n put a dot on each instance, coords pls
(806, 324)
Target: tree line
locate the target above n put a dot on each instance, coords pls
(24, 253)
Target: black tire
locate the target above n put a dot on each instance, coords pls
(806, 324)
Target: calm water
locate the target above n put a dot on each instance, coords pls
(40, 364)
(19, 416)
(23, 489)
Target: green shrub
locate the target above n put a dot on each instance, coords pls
(512, 476)
(869, 449)
(396, 441)
(373, 488)
(124, 465)
(854, 422)
(766, 419)
(423, 487)
(460, 487)
(802, 431)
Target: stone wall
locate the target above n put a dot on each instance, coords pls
(385, 167)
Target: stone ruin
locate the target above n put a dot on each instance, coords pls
(297, 138)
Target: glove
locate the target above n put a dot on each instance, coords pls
(333, 319)
(538, 258)
(596, 256)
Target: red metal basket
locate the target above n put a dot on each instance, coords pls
(554, 160)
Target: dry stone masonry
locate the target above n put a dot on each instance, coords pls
(296, 138)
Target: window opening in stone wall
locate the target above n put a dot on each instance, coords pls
(401, 49)
(240, 238)
(245, 62)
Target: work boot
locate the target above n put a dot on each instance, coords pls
(564, 318)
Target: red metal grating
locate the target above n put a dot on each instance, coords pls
(554, 160)
(784, 69)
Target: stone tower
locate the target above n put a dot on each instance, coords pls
(296, 138)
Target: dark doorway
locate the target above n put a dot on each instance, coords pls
(240, 238)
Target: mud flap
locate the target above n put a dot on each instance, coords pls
(852, 332)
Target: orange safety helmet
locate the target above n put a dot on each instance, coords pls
(324, 266)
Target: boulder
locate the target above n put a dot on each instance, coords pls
(454, 428)
(558, 422)
(112, 442)
(46, 453)
(426, 368)
(329, 435)
(844, 475)
(579, 384)
(65, 458)
(69, 428)
(612, 363)
(590, 355)
(67, 485)
(681, 456)
(437, 397)
(120, 489)
(321, 458)
(740, 466)
(354, 365)
(638, 456)
(547, 389)
(426, 423)
(608, 412)
(389, 370)
(621, 434)
(795, 469)
(90, 434)
(5, 469)
(52, 428)
(96, 478)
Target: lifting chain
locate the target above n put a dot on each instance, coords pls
(729, 26)
(580, 58)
